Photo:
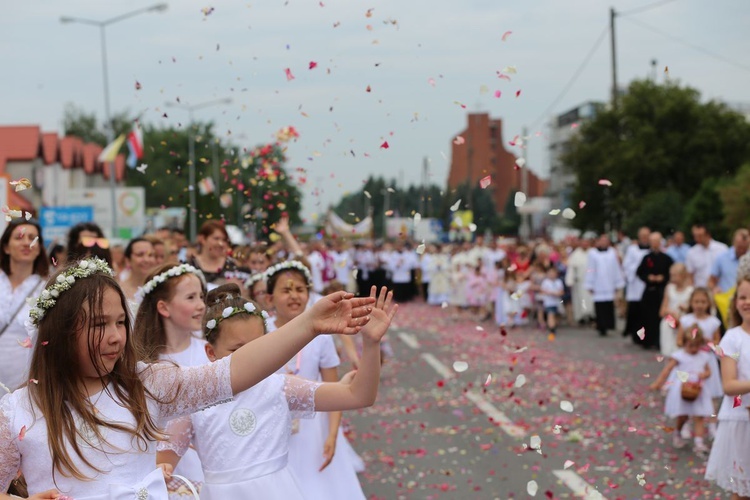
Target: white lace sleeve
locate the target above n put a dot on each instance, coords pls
(180, 433)
(199, 386)
(10, 456)
(300, 396)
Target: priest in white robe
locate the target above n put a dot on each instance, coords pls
(583, 306)
(604, 277)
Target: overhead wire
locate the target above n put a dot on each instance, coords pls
(644, 8)
(573, 79)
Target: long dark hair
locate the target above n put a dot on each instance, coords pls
(76, 250)
(41, 264)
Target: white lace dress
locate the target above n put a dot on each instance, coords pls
(190, 465)
(339, 480)
(127, 471)
(244, 445)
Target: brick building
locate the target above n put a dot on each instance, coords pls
(482, 152)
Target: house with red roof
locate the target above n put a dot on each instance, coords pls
(53, 164)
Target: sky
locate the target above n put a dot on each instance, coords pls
(405, 72)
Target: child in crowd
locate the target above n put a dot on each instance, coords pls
(315, 455)
(729, 462)
(551, 291)
(166, 326)
(692, 366)
(477, 289)
(676, 303)
(88, 425)
(244, 444)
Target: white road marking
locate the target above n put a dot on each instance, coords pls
(578, 485)
(439, 367)
(496, 415)
(409, 339)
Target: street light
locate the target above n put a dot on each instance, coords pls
(190, 108)
(160, 7)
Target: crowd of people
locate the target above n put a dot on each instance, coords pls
(175, 300)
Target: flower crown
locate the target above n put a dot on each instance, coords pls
(228, 312)
(289, 264)
(64, 281)
(254, 278)
(172, 272)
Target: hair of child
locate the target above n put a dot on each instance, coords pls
(225, 303)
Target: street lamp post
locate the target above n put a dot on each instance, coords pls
(191, 154)
(109, 130)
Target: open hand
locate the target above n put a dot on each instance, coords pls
(282, 226)
(381, 315)
(341, 312)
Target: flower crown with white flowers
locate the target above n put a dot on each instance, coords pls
(254, 278)
(289, 264)
(228, 312)
(172, 272)
(64, 281)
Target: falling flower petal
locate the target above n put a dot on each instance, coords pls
(460, 366)
(485, 182)
(368, 194)
(458, 140)
(520, 381)
(532, 488)
(420, 249)
(520, 199)
(506, 35)
(641, 333)
(417, 218)
(312, 65)
(25, 343)
(22, 434)
(605, 182)
(455, 206)
(682, 376)
(431, 82)
(554, 211)
(33, 243)
(518, 93)
(488, 381)
(581, 204)
(568, 464)
(384, 145)
(520, 162)
(289, 75)
(20, 184)
(737, 401)
(569, 214)
(566, 406)
(511, 70)
(535, 443)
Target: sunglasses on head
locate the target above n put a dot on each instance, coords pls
(89, 242)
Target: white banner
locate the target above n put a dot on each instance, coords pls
(337, 225)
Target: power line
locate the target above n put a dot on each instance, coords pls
(573, 79)
(691, 45)
(644, 8)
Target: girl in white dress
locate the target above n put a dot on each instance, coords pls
(315, 456)
(171, 309)
(23, 271)
(244, 444)
(729, 462)
(87, 425)
(699, 317)
(675, 304)
(692, 365)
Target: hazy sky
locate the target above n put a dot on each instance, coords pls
(420, 59)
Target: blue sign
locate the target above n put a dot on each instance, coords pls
(56, 221)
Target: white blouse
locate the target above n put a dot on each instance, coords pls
(14, 358)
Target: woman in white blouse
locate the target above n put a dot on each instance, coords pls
(23, 271)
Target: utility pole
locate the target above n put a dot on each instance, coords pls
(612, 15)
(525, 230)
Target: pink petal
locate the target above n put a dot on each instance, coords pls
(384, 145)
(506, 35)
(518, 93)
(641, 333)
(498, 94)
(737, 401)
(458, 140)
(289, 75)
(581, 204)
(605, 182)
(22, 434)
(312, 65)
(486, 181)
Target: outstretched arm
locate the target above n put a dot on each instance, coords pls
(290, 242)
(364, 388)
(659, 382)
(336, 313)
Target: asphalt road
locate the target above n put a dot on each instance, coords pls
(467, 412)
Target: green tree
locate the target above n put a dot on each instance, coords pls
(661, 211)
(706, 207)
(79, 123)
(735, 197)
(660, 138)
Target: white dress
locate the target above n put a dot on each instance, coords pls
(692, 365)
(675, 300)
(14, 358)
(708, 326)
(439, 270)
(729, 462)
(128, 472)
(244, 444)
(339, 480)
(190, 465)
